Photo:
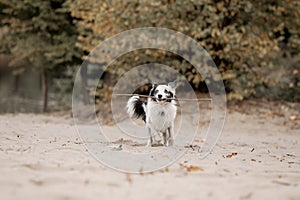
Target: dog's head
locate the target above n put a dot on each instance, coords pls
(162, 93)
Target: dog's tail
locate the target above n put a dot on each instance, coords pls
(135, 108)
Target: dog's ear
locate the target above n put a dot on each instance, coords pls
(154, 85)
(173, 84)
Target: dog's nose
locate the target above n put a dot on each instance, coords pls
(159, 96)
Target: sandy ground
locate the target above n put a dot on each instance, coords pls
(257, 157)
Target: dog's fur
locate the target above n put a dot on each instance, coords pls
(157, 111)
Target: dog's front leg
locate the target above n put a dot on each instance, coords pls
(165, 136)
(150, 141)
(170, 135)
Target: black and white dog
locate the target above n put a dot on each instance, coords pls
(158, 112)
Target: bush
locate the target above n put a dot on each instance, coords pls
(255, 44)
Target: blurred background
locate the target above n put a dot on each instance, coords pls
(255, 45)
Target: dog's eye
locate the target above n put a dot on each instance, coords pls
(156, 91)
(170, 94)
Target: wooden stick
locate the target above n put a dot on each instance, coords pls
(147, 96)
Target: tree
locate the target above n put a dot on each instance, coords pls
(40, 35)
(245, 38)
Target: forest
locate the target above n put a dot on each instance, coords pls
(255, 44)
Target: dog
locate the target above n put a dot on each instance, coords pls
(158, 112)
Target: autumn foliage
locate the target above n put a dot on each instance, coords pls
(255, 44)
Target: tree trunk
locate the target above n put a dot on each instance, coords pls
(17, 81)
(45, 91)
(84, 91)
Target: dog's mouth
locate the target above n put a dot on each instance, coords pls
(161, 99)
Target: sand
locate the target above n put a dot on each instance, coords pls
(256, 157)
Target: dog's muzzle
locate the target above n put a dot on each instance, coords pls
(161, 99)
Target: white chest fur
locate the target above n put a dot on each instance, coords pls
(160, 116)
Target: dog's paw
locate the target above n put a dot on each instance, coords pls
(154, 143)
(149, 143)
(170, 142)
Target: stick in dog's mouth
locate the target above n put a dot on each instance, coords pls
(176, 99)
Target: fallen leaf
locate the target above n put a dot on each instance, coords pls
(111, 123)
(293, 118)
(193, 147)
(194, 168)
(141, 171)
(199, 140)
(128, 178)
(164, 170)
(280, 159)
(291, 155)
(278, 147)
(119, 148)
(54, 140)
(230, 155)
(191, 168)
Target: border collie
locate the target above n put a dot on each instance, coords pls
(158, 112)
